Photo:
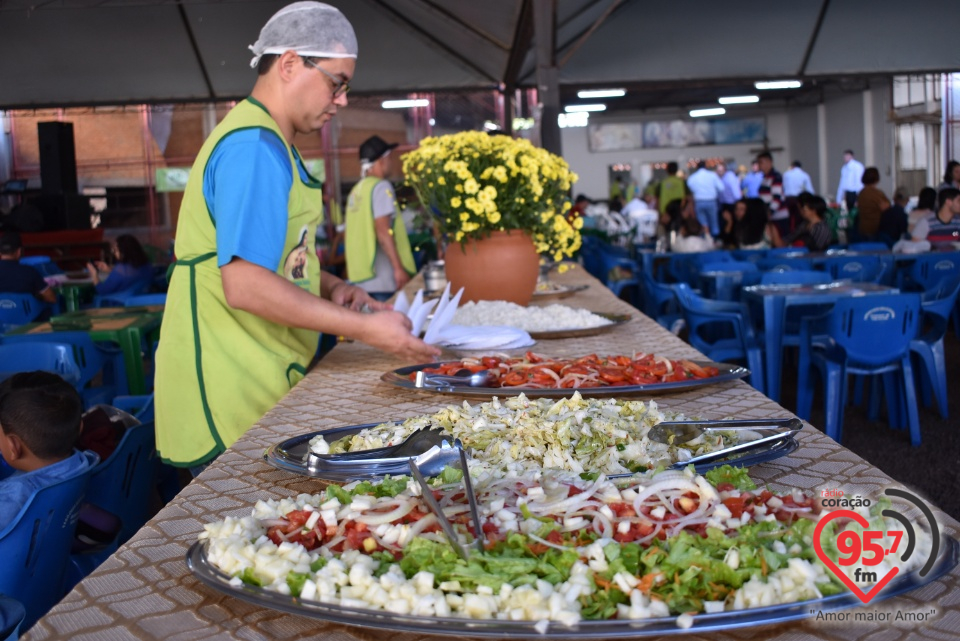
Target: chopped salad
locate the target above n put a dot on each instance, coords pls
(575, 434)
(558, 547)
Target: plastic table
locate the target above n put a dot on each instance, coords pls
(124, 326)
(772, 299)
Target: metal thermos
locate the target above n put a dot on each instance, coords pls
(435, 276)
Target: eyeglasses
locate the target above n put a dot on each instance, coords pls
(340, 86)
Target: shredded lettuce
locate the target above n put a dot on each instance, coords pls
(736, 476)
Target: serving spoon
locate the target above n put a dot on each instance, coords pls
(677, 432)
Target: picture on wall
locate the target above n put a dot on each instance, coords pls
(656, 134)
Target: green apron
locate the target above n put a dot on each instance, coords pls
(219, 369)
(361, 235)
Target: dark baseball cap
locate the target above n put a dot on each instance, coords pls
(10, 242)
(374, 147)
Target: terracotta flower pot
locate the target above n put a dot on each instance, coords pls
(503, 266)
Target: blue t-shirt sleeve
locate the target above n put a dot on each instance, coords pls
(247, 185)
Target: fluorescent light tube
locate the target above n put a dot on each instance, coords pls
(778, 84)
(575, 108)
(738, 100)
(403, 104)
(602, 93)
(713, 111)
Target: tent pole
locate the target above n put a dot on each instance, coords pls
(548, 75)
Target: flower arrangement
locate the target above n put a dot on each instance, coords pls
(478, 183)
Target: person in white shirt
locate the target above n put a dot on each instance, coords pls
(706, 188)
(851, 180)
(642, 218)
(731, 188)
(796, 181)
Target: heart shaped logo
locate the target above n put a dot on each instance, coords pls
(848, 514)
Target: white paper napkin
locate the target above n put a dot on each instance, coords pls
(442, 317)
(483, 337)
(401, 304)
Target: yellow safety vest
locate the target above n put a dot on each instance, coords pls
(361, 235)
(219, 369)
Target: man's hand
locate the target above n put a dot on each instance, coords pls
(390, 332)
(347, 295)
(401, 276)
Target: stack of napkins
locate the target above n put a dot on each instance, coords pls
(441, 332)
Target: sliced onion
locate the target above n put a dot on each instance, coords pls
(403, 508)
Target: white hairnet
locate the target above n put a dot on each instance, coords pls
(311, 29)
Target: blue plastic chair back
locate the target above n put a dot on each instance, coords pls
(48, 357)
(12, 614)
(42, 264)
(773, 263)
(861, 269)
(787, 251)
(796, 277)
(874, 330)
(91, 358)
(145, 299)
(748, 255)
(869, 247)
(36, 546)
(124, 483)
(659, 301)
(733, 276)
(17, 310)
(117, 299)
(927, 271)
(686, 268)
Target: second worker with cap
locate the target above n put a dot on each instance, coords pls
(378, 254)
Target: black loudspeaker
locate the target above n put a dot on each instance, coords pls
(58, 160)
(64, 211)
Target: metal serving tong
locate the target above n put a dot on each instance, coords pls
(678, 432)
(431, 459)
(426, 491)
(463, 378)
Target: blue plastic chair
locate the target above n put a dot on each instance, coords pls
(36, 546)
(861, 269)
(43, 264)
(722, 330)
(12, 614)
(48, 357)
(927, 271)
(124, 483)
(613, 264)
(118, 299)
(774, 263)
(938, 303)
(686, 268)
(92, 358)
(145, 299)
(749, 255)
(736, 274)
(17, 310)
(660, 302)
(787, 251)
(868, 335)
(869, 247)
(796, 277)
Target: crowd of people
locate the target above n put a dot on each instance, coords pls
(762, 208)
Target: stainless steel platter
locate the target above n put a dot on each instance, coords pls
(496, 628)
(401, 378)
(291, 455)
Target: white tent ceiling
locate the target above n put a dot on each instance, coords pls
(89, 52)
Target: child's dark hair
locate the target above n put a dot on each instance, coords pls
(691, 227)
(43, 410)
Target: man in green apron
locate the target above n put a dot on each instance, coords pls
(379, 259)
(246, 302)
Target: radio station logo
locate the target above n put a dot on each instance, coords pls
(868, 548)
